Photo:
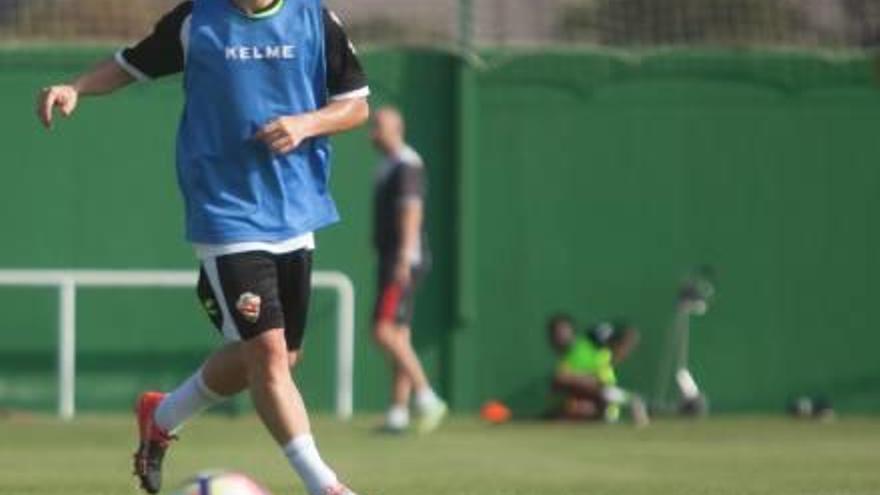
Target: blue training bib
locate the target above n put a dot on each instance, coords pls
(241, 73)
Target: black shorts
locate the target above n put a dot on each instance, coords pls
(247, 294)
(394, 303)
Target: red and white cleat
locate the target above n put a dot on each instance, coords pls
(153, 443)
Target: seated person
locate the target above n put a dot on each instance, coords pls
(585, 379)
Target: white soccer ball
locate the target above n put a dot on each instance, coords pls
(221, 483)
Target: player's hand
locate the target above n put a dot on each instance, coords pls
(285, 134)
(403, 273)
(64, 97)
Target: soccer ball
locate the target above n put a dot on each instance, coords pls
(221, 483)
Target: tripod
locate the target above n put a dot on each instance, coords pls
(694, 297)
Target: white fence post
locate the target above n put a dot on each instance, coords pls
(67, 282)
(345, 351)
(67, 349)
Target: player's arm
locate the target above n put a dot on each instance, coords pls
(347, 87)
(410, 216)
(625, 345)
(104, 78)
(158, 55)
(285, 134)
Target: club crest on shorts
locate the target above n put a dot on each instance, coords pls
(248, 306)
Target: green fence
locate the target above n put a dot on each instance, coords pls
(577, 181)
(598, 181)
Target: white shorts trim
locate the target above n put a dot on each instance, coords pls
(229, 330)
(305, 241)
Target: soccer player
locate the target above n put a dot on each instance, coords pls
(265, 82)
(404, 259)
(585, 377)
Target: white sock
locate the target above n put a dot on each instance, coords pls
(188, 400)
(426, 399)
(397, 417)
(302, 453)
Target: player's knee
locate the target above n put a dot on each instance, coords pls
(266, 355)
(383, 334)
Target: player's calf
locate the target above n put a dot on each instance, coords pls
(281, 408)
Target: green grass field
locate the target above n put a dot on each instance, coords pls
(719, 456)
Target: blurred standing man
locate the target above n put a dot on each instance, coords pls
(404, 259)
(265, 83)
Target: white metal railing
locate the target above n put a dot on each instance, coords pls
(67, 282)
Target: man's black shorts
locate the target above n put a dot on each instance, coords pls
(396, 303)
(247, 294)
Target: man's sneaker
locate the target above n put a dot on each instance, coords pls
(396, 420)
(153, 443)
(432, 417)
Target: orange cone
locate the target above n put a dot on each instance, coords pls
(495, 412)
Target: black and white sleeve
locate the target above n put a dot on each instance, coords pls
(345, 75)
(412, 183)
(162, 52)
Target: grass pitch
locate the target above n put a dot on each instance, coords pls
(741, 456)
